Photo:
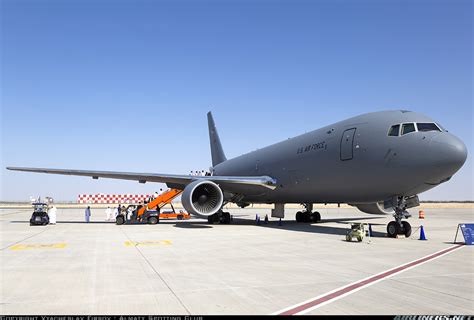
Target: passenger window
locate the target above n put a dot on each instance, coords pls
(427, 127)
(394, 130)
(407, 128)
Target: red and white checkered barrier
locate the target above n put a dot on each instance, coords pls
(111, 198)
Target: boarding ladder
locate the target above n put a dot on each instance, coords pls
(160, 201)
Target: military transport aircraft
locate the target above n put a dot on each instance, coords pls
(377, 162)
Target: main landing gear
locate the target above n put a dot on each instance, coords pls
(398, 226)
(221, 217)
(307, 215)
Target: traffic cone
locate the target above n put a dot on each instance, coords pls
(422, 234)
(266, 219)
(370, 230)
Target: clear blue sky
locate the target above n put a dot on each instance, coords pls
(125, 85)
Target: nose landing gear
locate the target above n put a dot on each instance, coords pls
(398, 226)
(307, 215)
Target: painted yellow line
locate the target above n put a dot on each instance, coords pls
(38, 246)
(148, 243)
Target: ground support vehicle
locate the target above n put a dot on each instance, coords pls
(40, 214)
(151, 212)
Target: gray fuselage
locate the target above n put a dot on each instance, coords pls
(352, 161)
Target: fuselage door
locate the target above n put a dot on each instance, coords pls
(347, 144)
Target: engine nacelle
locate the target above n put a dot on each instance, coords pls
(202, 198)
(373, 208)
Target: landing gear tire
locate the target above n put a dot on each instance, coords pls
(406, 229)
(392, 229)
(225, 218)
(299, 216)
(315, 217)
(221, 217)
(213, 218)
(307, 216)
(153, 220)
(120, 220)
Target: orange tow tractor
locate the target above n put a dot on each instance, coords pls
(181, 215)
(151, 212)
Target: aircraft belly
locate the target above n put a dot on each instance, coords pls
(326, 187)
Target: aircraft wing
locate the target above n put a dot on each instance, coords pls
(228, 183)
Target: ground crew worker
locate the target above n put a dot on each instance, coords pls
(88, 214)
(108, 214)
(116, 212)
(123, 211)
(52, 215)
(129, 212)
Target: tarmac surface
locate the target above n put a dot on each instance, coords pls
(190, 267)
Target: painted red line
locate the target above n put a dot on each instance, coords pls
(364, 282)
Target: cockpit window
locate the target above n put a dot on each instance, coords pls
(407, 128)
(441, 127)
(427, 127)
(393, 132)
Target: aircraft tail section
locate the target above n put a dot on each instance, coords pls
(217, 152)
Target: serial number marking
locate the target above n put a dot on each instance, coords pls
(312, 147)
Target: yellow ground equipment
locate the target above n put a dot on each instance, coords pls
(358, 231)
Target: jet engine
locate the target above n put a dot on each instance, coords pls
(373, 208)
(202, 198)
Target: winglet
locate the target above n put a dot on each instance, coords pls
(217, 152)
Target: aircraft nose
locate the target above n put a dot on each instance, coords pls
(448, 151)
